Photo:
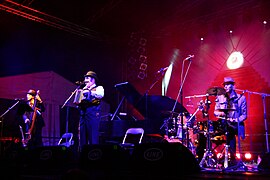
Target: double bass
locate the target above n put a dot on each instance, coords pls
(33, 117)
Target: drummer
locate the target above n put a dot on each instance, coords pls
(229, 109)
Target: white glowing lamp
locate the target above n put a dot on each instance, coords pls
(235, 60)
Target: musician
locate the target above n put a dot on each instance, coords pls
(90, 108)
(30, 114)
(230, 108)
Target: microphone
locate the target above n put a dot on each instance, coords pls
(162, 70)
(189, 57)
(79, 82)
(19, 99)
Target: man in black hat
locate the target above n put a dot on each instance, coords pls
(89, 104)
(231, 108)
(32, 121)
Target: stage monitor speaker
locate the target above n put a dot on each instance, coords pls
(163, 159)
(103, 157)
(46, 157)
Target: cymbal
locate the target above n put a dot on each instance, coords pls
(175, 114)
(214, 91)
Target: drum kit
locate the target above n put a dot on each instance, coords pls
(199, 135)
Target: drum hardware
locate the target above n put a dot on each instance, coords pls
(208, 157)
(170, 123)
(227, 146)
(187, 125)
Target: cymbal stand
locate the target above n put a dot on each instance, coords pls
(226, 156)
(208, 155)
(165, 124)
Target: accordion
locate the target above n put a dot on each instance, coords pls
(84, 99)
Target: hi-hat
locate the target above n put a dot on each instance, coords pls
(214, 91)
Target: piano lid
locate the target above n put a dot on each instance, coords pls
(157, 105)
(149, 105)
(130, 93)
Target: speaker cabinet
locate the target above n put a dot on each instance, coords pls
(103, 157)
(45, 158)
(163, 159)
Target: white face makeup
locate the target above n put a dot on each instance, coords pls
(89, 81)
(228, 87)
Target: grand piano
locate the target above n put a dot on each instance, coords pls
(156, 109)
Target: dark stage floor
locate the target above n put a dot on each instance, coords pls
(111, 161)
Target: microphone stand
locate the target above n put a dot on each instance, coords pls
(2, 121)
(264, 114)
(180, 94)
(67, 112)
(158, 76)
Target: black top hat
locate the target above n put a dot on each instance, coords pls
(32, 92)
(228, 80)
(91, 74)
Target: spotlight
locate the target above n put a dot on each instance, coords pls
(235, 60)
(248, 156)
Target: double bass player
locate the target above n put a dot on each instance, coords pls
(32, 121)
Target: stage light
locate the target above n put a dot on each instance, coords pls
(143, 66)
(248, 156)
(235, 60)
(237, 155)
(143, 58)
(219, 155)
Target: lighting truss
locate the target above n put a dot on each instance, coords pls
(43, 18)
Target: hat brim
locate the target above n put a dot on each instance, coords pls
(95, 77)
(229, 82)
